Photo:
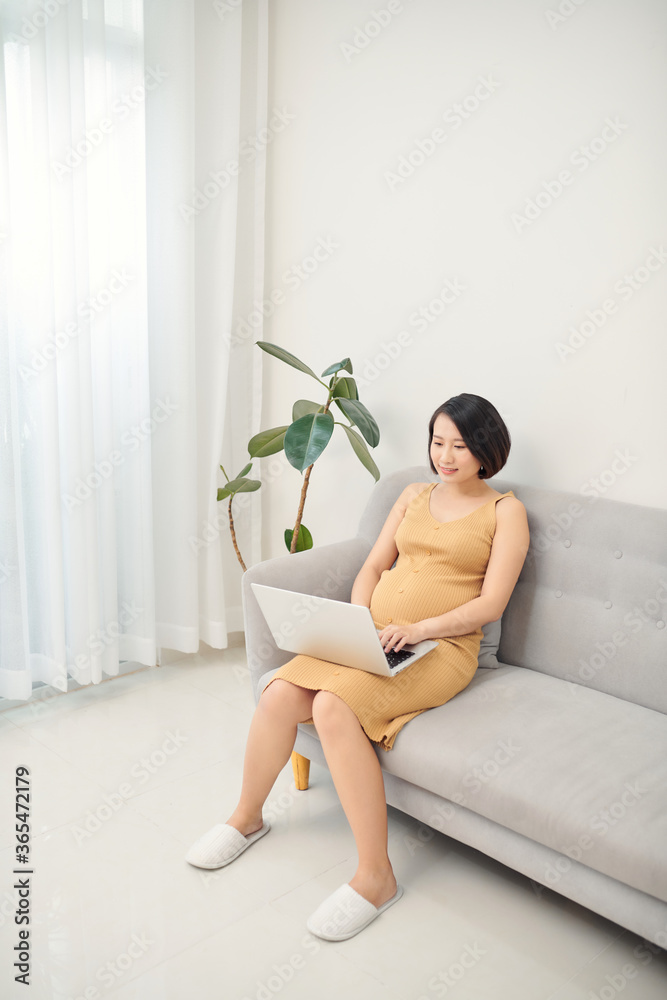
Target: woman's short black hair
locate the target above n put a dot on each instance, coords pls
(482, 429)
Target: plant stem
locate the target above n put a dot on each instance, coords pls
(233, 534)
(304, 490)
(297, 526)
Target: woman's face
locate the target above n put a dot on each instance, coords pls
(453, 460)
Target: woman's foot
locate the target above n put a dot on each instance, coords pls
(221, 845)
(376, 886)
(247, 825)
(345, 913)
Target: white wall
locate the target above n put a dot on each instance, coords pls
(551, 88)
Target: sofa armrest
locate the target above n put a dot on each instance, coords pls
(328, 571)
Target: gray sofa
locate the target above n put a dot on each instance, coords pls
(554, 759)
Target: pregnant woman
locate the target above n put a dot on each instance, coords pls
(458, 547)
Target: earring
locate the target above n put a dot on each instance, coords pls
(481, 470)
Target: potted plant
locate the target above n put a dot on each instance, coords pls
(306, 437)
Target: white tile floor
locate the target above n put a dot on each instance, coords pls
(126, 774)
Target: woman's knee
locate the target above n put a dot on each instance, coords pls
(286, 698)
(331, 714)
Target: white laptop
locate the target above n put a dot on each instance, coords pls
(332, 630)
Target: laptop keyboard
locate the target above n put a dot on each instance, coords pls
(394, 658)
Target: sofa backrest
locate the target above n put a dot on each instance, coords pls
(590, 606)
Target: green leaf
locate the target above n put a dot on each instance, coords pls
(346, 364)
(283, 355)
(304, 406)
(306, 439)
(361, 451)
(267, 442)
(244, 471)
(303, 542)
(357, 414)
(243, 485)
(345, 388)
(223, 494)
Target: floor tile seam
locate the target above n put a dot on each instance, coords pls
(58, 754)
(83, 687)
(52, 830)
(588, 963)
(310, 878)
(104, 791)
(338, 948)
(218, 697)
(130, 801)
(11, 722)
(91, 705)
(195, 944)
(39, 740)
(175, 954)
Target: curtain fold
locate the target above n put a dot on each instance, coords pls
(119, 280)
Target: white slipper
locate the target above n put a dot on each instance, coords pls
(221, 845)
(345, 913)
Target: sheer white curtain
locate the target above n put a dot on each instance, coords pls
(116, 310)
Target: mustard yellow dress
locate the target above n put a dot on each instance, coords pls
(440, 566)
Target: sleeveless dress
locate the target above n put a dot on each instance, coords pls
(440, 566)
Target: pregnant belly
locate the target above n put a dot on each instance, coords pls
(399, 598)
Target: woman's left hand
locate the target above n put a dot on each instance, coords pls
(394, 637)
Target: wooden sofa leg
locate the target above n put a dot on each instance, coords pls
(301, 768)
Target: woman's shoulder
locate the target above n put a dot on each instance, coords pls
(411, 492)
(509, 507)
(409, 495)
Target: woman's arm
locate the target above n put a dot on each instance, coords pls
(384, 552)
(508, 553)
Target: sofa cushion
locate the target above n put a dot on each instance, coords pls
(574, 769)
(590, 605)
